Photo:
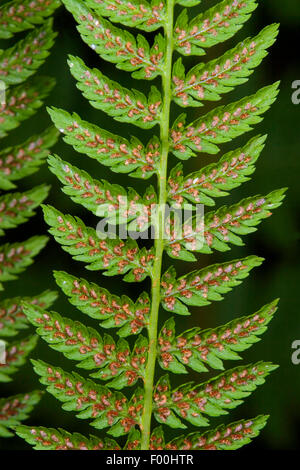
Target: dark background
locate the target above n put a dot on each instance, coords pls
(276, 240)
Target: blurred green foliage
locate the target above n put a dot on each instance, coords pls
(276, 240)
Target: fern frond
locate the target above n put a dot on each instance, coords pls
(216, 179)
(15, 356)
(98, 303)
(197, 348)
(208, 81)
(12, 317)
(16, 409)
(20, 15)
(224, 437)
(59, 439)
(220, 125)
(25, 159)
(122, 104)
(122, 155)
(124, 363)
(216, 25)
(117, 45)
(201, 287)
(22, 60)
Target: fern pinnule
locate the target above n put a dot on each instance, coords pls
(21, 15)
(116, 364)
(16, 409)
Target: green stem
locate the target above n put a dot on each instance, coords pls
(159, 240)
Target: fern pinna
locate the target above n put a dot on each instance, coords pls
(116, 364)
(22, 95)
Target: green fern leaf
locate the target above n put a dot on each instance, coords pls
(20, 15)
(23, 101)
(124, 363)
(222, 227)
(25, 159)
(197, 348)
(216, 179)
(213, 398)
(216, 25)
(17, 208)
(91, 401)
(224, 437)
(157, 439)
(103, 199)
(221, 125)
(113, 311)
(121, 155)
(85, 345)
(83, 243)
(21, 60)
(15, 257)
(117, 45)
(134, 440)
(126, 369)
(122, 104)
(12, 317)
(59, 439)
(141, 14)
(15, 356)
(16, 409)
(208, 81)
(204, 286)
